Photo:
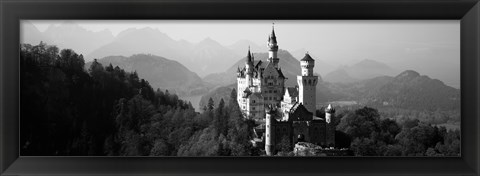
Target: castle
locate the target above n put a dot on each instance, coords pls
(282, 113)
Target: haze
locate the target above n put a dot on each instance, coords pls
(431, 47)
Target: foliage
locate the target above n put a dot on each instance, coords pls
(67, 110)
(371, 135)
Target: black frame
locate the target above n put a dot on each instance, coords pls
(467, 11)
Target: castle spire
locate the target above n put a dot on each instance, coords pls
(273, 48)
(249, 55)
(272, 38)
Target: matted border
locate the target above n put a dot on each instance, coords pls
(12, 11)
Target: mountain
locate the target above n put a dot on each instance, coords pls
(289, 65)
(222, 92)
(205, 57)
(408, 90)
(145, 40)
(339, 75)
(159, 72)
(370, 68)
(240, 47)
(209, 56)
(412, 90)
(31, 35)
(71, 35)
(365, 69)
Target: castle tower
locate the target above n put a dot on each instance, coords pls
(307, 83)
(249, 68)
(330, 128)
(273, 48)
(269, 132)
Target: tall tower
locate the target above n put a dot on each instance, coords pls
(307, 83)
(330, 128)
(273, 48)
(269, 132)
(249, 68)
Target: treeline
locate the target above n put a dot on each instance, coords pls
(103, 110)
(437, 117)
(366, 134)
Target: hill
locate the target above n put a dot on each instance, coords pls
(407, 90)
(365, 69)
(159, 72)
(205, 57)
(411, 90)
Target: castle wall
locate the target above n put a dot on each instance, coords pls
(301, 128)
(281, 130)
(318, 132)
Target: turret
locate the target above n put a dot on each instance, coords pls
(330, 127)
(269, 132)
(329, 112)
(307, 64)
(273, 48)
(239, 73)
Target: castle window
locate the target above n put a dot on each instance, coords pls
(270, 91)
(253, 108)
(265, 98)
(275, 91)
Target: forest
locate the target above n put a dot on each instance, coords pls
(102, 110)
(67, 110)
(366, 133)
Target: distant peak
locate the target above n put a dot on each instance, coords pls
(209, 40)
(369, 63)
(148, 29)
(407, 75)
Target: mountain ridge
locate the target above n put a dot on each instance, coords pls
(160, 72)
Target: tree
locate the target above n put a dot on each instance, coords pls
(210, 105)
(160, 148)
(361, 123)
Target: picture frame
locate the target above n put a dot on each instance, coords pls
(467, 11)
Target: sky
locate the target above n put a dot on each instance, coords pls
(404, 44)
(293, 34)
